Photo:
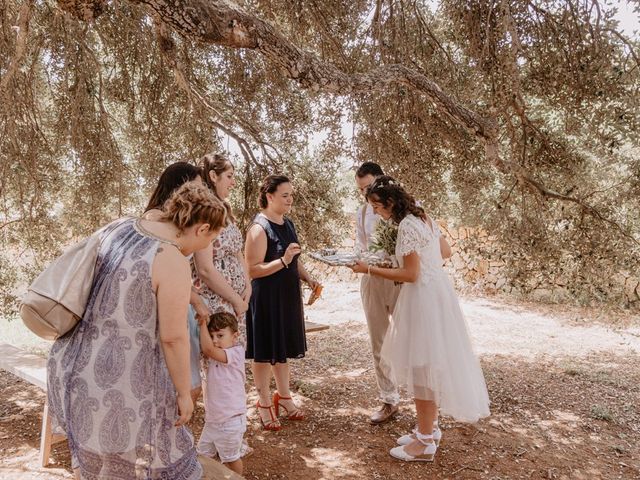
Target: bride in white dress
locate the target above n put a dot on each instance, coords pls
(427, 346)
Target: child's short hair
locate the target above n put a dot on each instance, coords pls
(220, 320)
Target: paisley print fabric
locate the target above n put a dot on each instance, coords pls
(108, 383)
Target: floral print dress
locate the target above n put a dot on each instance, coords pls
(226, 249)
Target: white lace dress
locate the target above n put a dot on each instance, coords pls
(427, 347)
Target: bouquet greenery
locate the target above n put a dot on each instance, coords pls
(384, 237)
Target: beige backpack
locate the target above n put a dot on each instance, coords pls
(56, 300)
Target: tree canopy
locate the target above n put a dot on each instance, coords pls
(517, 116)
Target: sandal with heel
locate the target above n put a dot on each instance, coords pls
(271, 423)
(291, 413)
(427, 455)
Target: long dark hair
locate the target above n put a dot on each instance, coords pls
(218, 164)
(173, 177)
(269, 185)
(390, 193)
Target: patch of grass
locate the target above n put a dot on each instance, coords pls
(629, 408)
(307, 389)
(571, 369)
(620, 450)
(601, 377)
(605, 377)
(600, 412)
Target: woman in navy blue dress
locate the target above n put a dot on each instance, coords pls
(275, 320)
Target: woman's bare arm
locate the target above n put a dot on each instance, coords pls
(408, 273)
(212, 278)
(255, 250)
(172, 282)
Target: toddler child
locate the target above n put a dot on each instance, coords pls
(225, 396)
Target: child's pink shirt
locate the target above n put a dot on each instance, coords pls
(226, 396)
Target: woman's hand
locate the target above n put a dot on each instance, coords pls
(313, 283)
(246, 294)
(240, 305)
(360, 267)
(185, 409)
(202, 312)
(292, 250)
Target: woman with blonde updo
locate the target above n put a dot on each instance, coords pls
(119, 383)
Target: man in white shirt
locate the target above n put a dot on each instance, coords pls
(378, 297)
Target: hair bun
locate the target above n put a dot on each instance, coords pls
(194, 203)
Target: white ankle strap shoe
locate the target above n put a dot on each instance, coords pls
(410, 437)
(430, 449)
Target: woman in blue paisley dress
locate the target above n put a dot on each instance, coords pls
(220, 269)
(118, 383)
(174, 176)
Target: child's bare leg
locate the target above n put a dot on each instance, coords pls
(235, 466)
(427, 412)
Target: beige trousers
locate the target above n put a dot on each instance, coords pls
(378, 301)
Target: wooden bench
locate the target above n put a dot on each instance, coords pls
(32, 369)
(314, 327)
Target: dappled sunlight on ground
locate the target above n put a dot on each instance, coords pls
(556, 413)
(503, 328)
(332, 463)
(352, 373)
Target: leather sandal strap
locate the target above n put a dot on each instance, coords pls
(272, 417)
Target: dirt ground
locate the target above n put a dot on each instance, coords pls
(569, 412)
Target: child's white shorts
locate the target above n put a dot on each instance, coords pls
(225, 439)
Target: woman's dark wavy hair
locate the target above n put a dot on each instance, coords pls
(173, 177)
(269, 185)
(390, 193)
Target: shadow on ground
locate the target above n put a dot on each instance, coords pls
(552, 418)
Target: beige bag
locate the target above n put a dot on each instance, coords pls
(56, 300)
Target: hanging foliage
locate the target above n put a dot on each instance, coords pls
(520, 117)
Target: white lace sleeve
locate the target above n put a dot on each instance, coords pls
(412, 236)
(436, 229)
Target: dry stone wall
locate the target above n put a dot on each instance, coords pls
(477, 266)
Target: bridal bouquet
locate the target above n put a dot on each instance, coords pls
(384, 237)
